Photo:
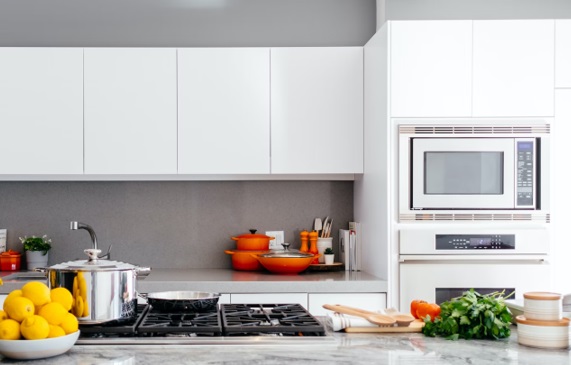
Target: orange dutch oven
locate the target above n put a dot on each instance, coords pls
(243, 260)
(253, 241)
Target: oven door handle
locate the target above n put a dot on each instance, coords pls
(477, 258)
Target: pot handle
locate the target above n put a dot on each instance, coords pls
(41, 269)
(143, 271)
(229, 252)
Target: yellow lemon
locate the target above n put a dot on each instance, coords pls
(53, 312)
(69, 324)
(35, 328)
(37, 292)
(19, 308)
(3, 315)
(38, 308)
(13, 294)
(9, 330)
(56, 331)
(63, 296)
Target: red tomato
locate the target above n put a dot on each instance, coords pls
(414, 306)
(428, 309)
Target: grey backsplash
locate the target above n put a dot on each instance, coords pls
(167, 224)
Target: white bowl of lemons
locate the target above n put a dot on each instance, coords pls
(37, 322)
(37, 349)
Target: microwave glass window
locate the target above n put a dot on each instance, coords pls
(463, 173)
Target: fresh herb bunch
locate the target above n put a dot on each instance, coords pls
(37, 243)
(472, 315)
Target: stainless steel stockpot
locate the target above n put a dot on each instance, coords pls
(102, 290)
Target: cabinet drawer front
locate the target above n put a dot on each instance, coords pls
(367, 301)
(271, 298)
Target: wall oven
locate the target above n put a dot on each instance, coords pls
(439, 263)
(474, 172)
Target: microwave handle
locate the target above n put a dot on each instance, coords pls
(478, 258)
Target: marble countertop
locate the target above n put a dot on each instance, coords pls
(412, 348)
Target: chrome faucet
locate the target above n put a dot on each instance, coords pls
(95, 250)
(78, 225)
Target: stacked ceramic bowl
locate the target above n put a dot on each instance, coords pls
(542, 323)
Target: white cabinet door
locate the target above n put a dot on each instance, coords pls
(130, 111)
(367, 301)
(224, 110)
(271, 298)
(431, 68)
(317, 110)
(41, 111)
(513, 68)
(563, 53)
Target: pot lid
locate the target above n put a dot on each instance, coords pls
(252, 234)
(99, 265)
(286, 252)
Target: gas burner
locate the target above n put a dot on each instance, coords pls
(280, 319)
(233, 320)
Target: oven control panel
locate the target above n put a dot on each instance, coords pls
(475, 242)
(525, 174)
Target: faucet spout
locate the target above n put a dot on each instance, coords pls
(78, 225)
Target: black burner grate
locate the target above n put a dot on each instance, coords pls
(279, 319)
(203, 323)
(231, 320)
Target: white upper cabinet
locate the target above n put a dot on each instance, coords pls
(513, 68)
(41, 111)
(563, 53)
(431, 68)
(130, 111)
(224, 111)
(317, 110)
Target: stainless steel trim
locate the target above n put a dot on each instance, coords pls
(224, 340)
(474, 129)
(503, 217)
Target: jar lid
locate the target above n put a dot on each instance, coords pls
(563, 322)
(286, 252)
(542, 295)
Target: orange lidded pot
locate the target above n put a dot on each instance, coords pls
(253, 241)
(10, 260)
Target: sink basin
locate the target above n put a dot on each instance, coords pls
(25, 276)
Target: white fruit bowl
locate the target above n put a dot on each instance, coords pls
(37, 349)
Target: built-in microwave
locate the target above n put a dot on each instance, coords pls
(474, 172)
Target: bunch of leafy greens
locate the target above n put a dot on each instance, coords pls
(471, 315)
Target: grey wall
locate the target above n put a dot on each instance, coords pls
(167, 224)
(190, 23)
(475, 9)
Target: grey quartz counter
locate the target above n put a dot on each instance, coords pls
(232, 281)
(391, 349)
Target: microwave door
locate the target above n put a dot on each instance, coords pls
(462, 173)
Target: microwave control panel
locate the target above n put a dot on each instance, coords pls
(475, 242)
(525, 175)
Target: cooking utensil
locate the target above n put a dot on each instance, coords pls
(317, 225)
(243, 260)
(285, 261)
(183, 301)
(324, 227)
(403, 319)
(375, 318)
(102, 290)
(253, 241)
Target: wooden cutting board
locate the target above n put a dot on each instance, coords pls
(415, 326)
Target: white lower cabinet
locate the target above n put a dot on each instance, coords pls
(367, 301)
(224, 299)
(270, 298)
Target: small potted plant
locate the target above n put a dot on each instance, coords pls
(37, 249)
(329, 255)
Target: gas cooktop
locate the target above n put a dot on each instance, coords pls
(230, 324)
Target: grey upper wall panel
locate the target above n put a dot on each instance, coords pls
(186, 23)
(476, 9)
